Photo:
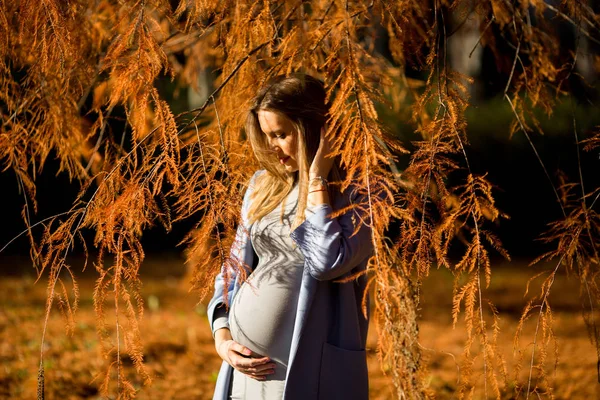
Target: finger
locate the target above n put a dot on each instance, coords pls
(264, 369)
(224, 344)
(246, 361)
(235, 346)
(264, 373)
(239, 361)
(246, 356)
(258, 377)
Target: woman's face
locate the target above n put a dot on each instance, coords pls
(281, 137)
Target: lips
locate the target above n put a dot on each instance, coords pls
(283, 160)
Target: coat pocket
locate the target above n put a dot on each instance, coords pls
(343, 374)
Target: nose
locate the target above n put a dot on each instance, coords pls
(272, 143)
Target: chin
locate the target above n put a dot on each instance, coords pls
(290, 168)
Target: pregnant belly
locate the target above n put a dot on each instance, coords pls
(262, 316)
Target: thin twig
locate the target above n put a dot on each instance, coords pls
(27, 215)
(568, 19)
(359, 107)
(477, 233)
(211, 200)
(363, 124)
(357, 13)
(512, 70)
(99, 141)
(589, 233)
(536, 153)
(542, 304)
(482, 33)
(199, 110)
(464, 21)
(116, 282)
(21, 105)
(36, 224)
(221, 139)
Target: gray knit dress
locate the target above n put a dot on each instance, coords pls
(263, 312)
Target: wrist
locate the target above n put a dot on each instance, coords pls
(315, 174)
(317, 182)
(222, 335)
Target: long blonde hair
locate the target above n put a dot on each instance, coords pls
(301, 99)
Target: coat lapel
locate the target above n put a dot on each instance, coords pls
(306, 296)
(305, 299)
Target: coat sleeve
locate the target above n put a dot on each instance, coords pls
(218, 312)
(330, 246)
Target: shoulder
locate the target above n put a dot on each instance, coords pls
(255, 177)
(252, 183)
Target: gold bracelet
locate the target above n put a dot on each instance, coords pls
(318, 190)
(319, 178)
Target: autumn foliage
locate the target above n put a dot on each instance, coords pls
(68, 67)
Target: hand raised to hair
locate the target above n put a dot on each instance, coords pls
(322, 162)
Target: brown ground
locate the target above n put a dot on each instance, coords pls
(180, 356)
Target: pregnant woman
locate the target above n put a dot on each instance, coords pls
(292, 329)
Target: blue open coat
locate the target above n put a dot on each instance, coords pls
(327, 356)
